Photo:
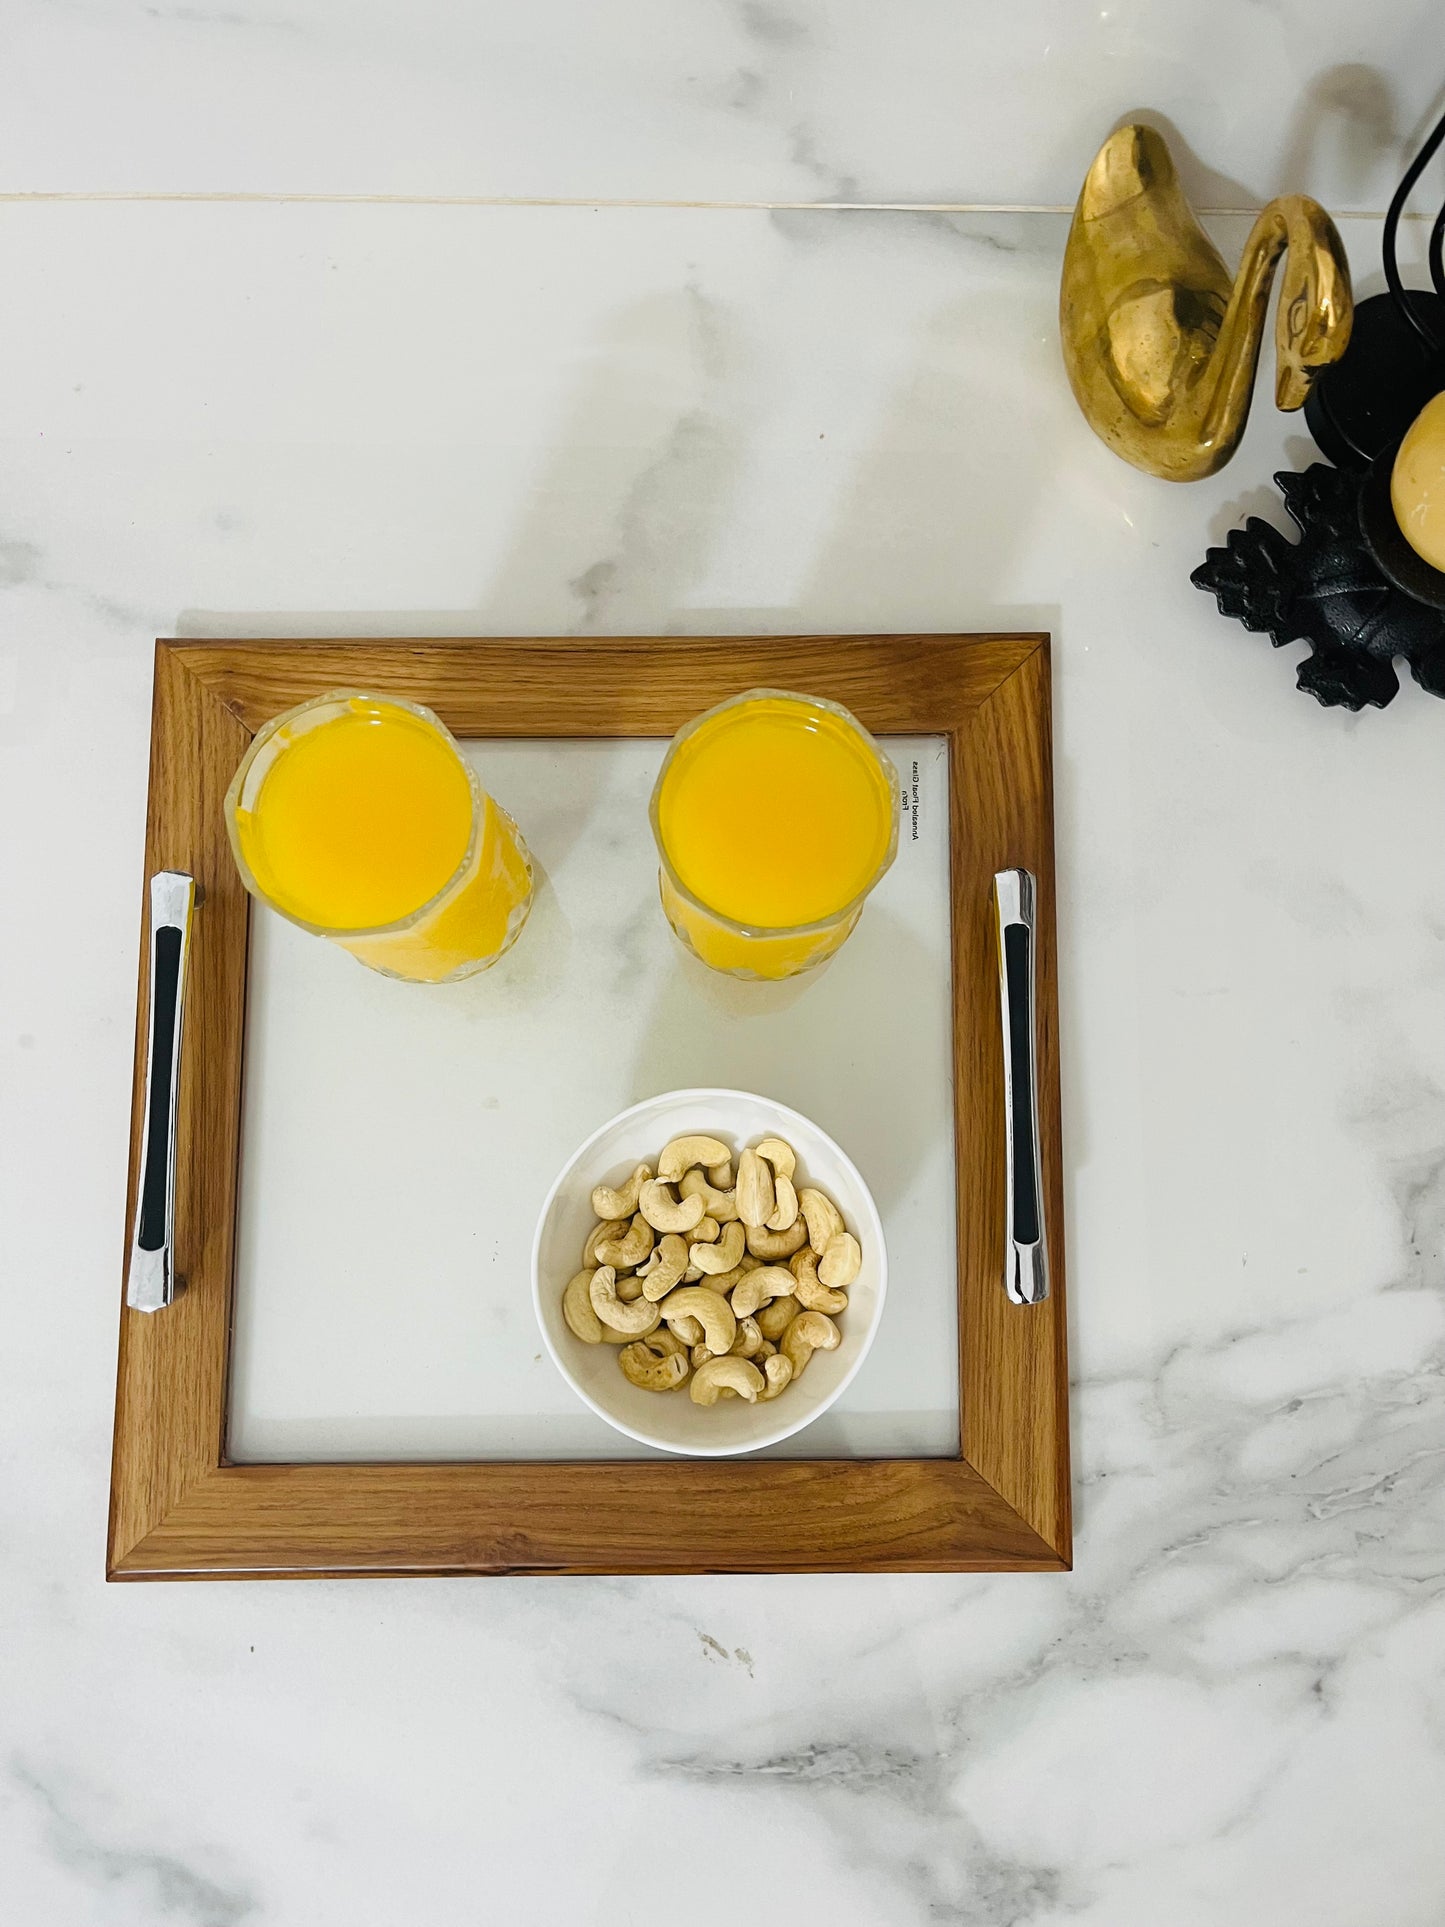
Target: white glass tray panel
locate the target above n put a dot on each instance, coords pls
(398, 1141)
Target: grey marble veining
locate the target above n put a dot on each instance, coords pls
(288, 420)
(716, 100)
(121, 1877)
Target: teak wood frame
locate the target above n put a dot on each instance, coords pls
(180, 1510)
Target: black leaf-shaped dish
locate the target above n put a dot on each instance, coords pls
(1327, 590)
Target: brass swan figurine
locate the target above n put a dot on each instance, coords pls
(1159, 341)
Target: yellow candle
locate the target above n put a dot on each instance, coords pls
(775, 814)
(1417, 484)
(358, 817)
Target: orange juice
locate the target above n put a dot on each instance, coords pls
(357, 817)
(775, 814)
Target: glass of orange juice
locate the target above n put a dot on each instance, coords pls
(358, 817)
(775, 815)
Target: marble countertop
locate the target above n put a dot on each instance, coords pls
(289, 417)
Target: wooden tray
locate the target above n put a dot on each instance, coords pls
(179, 1509)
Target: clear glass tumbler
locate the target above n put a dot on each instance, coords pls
(357, 817)
(775, 815)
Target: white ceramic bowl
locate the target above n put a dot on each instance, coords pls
(670, 1420)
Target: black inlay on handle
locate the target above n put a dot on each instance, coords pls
(165, 988)
(1017, 960)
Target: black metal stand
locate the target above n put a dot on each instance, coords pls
(1326, 590)
(1352, 587)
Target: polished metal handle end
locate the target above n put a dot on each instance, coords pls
(1027, 1278)
(149, 1284)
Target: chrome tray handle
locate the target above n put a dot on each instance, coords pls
(151, 1278)
(1026, 1273)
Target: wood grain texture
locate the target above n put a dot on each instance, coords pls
(620, 686)
(170, 1386)
(178, 1511)
(896, 1515)
(1014, 1404)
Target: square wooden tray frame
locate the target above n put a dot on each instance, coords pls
(180, 1510)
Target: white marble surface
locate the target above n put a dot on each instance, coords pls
(279, 419)
(716, 100)
(467, 1100)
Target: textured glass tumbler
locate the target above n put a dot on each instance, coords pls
(462, 927)
(778, 945)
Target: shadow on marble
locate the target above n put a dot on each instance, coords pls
(1339, 127)
(643, 476)
(914, 520)
(1205, 186)
(1415, 137)
(1352, 108)
(668, 506)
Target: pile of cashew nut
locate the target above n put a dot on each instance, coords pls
(726, 1286)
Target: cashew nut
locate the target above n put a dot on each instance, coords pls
(722, 1205)
(807, 1289)
(774, 1319)
(626, 1252)
(749, 1340)
(841, 1261)
(823, 1218)
(772, 1263)
(602, 1234)
(664, 1212)
(719, 1325)
(810, 1331)
(768, 1281)
(725, 1255)
(784, 1214)
(748, 1343)
(684, 1152)
(652, 1366)
(772, 1245)
(577, 1310)
(779, 1155)
(779, 1371)
(755, 1189)
(715, 1376)
(721, 1282)
(665, 1268)
(636, 1320)
(608, 1203)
